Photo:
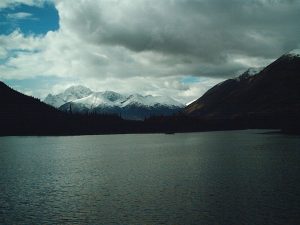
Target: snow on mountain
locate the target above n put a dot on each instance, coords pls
(190, 102)
(87, 98)
(294, 53)
(249, 72)
(82, 100)
(113, 96)
(96, 99)
(70, 94)
(150, 101)
(254, 70)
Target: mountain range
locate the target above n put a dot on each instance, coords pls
(80, 99)
(263, 98)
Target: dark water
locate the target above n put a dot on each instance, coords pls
(233, 177)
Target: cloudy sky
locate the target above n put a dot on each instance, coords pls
(178, 48)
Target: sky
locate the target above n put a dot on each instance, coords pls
(178, 48)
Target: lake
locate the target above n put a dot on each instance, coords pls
(234, 177)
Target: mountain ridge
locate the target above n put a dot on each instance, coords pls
(273, 94)
(134, 106)
(268, 99)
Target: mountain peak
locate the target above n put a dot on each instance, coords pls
(111, 95)
(135, 106)
(150, 100)
(70, 94)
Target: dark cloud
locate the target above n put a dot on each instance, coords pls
(207, 31)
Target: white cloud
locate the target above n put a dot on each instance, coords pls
(93, 66)
(3, 52)
(13, 3)
(19, 16)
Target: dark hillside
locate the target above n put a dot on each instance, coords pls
(269, 99)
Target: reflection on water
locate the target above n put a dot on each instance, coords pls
(233, 177)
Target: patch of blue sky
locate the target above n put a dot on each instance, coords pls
(190, 79)
(29, 19)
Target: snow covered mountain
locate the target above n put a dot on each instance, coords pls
(70, 94)
(79, 99)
